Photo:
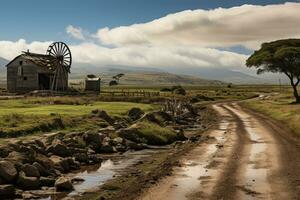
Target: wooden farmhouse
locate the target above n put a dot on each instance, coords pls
(31, 71)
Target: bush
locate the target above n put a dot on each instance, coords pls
(180, 91)
(166, 90)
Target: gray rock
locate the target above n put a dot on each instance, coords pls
(63, 184)
(15, 156)
(29, 196)
(8, 172)
(27, 183)
(59, 149)
(107, 148)
(81, 157)
(93, 139)
(4, 151)
(60, 163)
(41, 169)
(30, 170)
(48, 182)
(94, 159)
(7, 191)
(102, 114)
(44, 161)
(135, 113)
(118, 140)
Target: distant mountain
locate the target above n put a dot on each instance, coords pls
(139, 76)
(3, 63)
(171, 75)
(161, 78)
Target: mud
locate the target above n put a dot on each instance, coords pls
(245, 161)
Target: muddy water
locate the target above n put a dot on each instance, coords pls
(95, 176)
(254, 179)
(194, 172)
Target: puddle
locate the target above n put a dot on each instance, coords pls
(255, 177)
(95, 176)
(195, 172)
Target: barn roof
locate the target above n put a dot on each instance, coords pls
(41, 60)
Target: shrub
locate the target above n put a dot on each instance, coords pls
(180, 91)
(166, 90)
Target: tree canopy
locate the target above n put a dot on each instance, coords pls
(281, 56)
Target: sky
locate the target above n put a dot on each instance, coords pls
(156, 33)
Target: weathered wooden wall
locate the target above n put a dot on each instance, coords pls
(92, 85)
(27, 82)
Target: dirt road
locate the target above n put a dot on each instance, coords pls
(251, 157)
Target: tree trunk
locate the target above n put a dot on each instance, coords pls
(296, 95)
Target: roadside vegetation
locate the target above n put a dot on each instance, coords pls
(280, 107)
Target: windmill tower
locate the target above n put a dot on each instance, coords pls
(61, 63)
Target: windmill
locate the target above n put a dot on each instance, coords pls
(61, 63)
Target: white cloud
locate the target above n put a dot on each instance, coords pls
(75, 32)
(246, 25)
(144, 56)
(184, 39)
(10, 49)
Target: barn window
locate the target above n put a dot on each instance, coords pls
(20, 71)
(21, 62)
(25, 78)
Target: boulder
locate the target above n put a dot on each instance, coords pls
(72, 164)
(81, 157)
(27, 195)
(38, 149)
(44, 161)
(107, 148)
(103, 115)
(40, 144)
(41, 169)
(7, 191)
(118, 140)
(94, 159)
(93, 139)
(30, 170)
(15, 156)
(59, 149)
(4, 151)
(8, 172)
(48, 182)
(60, 163)
(120, 148)
(63, 184)
(135, 113)
(27, 183)
(134, 145)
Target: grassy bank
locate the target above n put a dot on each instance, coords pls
(279, 107)
(20, 117)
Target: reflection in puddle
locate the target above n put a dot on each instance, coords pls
(195, 170)
(95, 176)
(255, 176)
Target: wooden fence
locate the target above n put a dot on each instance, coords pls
(138, 93)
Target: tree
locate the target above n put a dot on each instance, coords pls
(113, 82)
(118, 76)
(116, 79)
(281, 56)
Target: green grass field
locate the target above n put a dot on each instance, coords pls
(8, 107)
(19, 117)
